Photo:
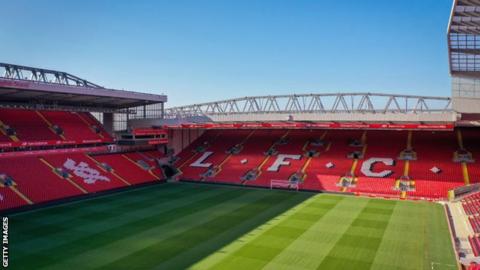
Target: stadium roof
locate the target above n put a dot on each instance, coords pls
(464, 38)
(314, 107)
(22, 86)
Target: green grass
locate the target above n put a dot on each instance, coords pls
(177, 226)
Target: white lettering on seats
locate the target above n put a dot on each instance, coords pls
(199, 162)
(82, 170)
(281, 160)
(367, 167)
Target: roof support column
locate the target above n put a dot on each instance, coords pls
(163, 110)
(108, 122)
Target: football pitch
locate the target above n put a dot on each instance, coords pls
(197, 226)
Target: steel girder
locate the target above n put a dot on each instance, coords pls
(316, 103)
(17, 72)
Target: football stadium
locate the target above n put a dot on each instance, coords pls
(98, 178)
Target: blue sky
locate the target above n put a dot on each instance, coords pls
(197, 51)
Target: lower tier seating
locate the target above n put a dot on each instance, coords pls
(127, 168)
(471, 204)
(475, 222)
(474, 266)
(38, 182)
(475, 242)
(321, 158)
(34, 179)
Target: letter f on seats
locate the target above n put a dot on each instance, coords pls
(282, 161)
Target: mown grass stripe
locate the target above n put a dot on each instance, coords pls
(154, 255)
(309, 249)
(259, 250)
(92, 210)
(98, 239)
(116, 214)
(357, 251)
(70, 208)
(236, 233)
(94, 258)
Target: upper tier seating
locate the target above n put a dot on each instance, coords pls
(94, 123)
(35, 126)
(73, 126)
(28, 124)
(324, 170)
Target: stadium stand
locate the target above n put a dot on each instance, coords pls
(471, 206)
(71, 124)
(475, 242)
(38, 183)
(147, 160)
(215, 155)
(252, 156)
(40, 128)
(102, 178)
(95, 125)
(52, 148)
(10, 199)
(28, 125)
(200, 144)
(378, 147)
(60, 175)
(127, 168)
(334, 150)
(3, 135)
(473, 266)
(325, 157)
(291, 143)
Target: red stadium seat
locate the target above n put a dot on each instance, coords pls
(127, 168)
(28, 124)
(113, 181)
(38, 182)
(433, 149)
(73, 126)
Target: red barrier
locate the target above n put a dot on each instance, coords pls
(96, 149)
(149, 131)
(50, 143)
(321, 125)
